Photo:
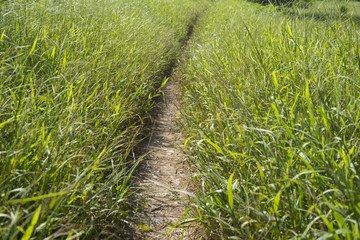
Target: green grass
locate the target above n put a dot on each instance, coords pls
(77, 79)
(272, 115)
(329, 10)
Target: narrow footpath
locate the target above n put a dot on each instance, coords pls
(165, 170)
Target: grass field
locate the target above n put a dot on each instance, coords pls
(328, 11)
(77, 79)
(271, 115)
(272, 120)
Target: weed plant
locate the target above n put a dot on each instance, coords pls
(272, 117)
(77, 80)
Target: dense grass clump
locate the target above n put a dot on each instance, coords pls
(273, 120)
(77, 80)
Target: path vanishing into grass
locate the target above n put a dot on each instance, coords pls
(92, 141)
(164, 170)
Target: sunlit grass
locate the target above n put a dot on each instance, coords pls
(273, 115)
(77, 80)
(328, 10)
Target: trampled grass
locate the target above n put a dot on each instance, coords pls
(77, 80)
(273, 115)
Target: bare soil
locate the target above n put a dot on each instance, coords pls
(164, 171)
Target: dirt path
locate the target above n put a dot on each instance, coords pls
(165, 169)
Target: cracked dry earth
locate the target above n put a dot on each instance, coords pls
(165, 170)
